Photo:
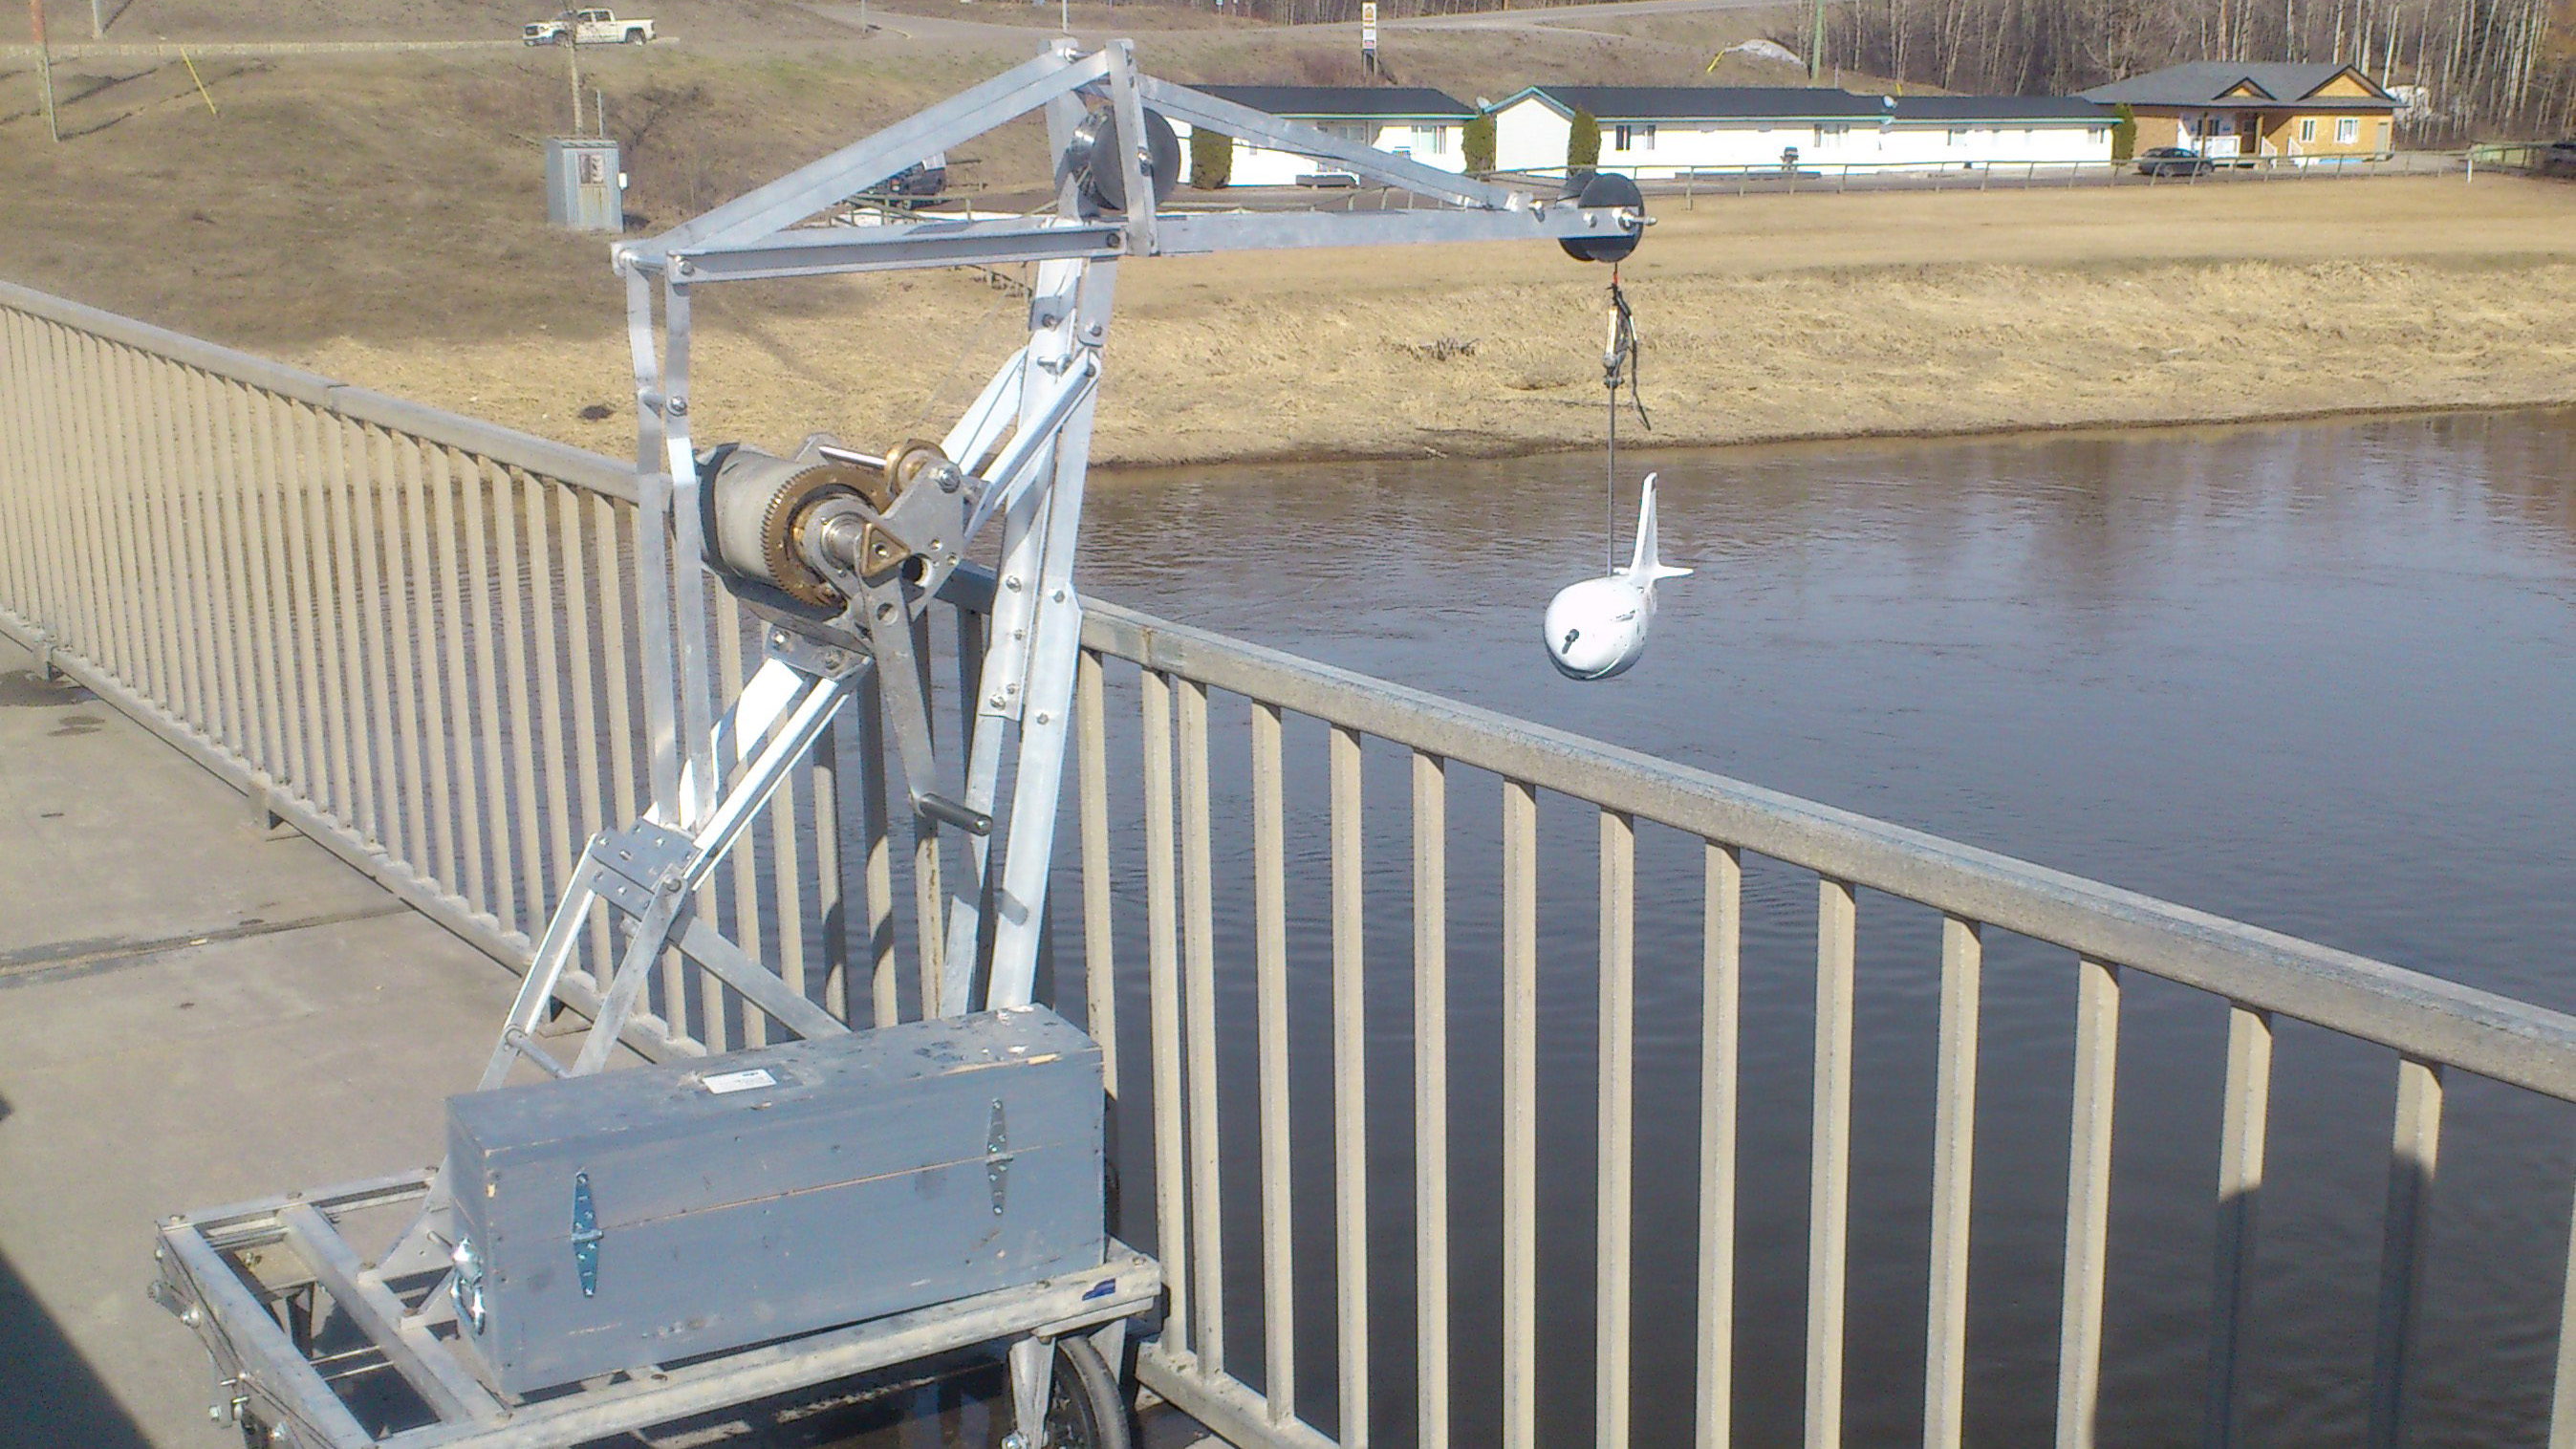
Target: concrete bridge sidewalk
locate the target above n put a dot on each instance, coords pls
(195, 1012)
(192, 1012)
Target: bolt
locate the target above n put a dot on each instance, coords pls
(192, 1316)
(686, 267)
(995, 701)
(1010, 689)
(678, 407)
(1012, 583)
(1042, 716)
(832, 660)
(1058, 596)
(779, 638)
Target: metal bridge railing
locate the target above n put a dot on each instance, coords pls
(411, 636)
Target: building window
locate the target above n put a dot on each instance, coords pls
(1431, 140)
(2347, 130)
(1958, 135)
(1831, 133)
(1632, 138)
(2096, 133)
(2307, 128)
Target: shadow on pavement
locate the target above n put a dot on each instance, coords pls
(53, 1397)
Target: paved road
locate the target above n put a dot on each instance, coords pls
(201, 50)
(1564, 19)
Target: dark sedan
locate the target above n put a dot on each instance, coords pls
(2172, 161)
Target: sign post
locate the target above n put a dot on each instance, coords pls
(45, 66)
(1368, 35)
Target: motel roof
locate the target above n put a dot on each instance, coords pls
(1808, 103)
(2264, 85)
(1347, 102)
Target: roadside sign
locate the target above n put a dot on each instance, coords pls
(1368, 27)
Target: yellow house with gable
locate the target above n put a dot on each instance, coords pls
(2244, 111)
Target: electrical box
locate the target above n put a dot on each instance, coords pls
(585, 190)
(643, 1216)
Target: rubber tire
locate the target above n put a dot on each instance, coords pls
(1086, 1409)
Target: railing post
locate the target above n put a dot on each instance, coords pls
(2088, 1203)
(1520, 1115)
(2413, 1152)
(1431, 1091)
(1720, 1032)
(1613, 1254)
(1954, 1137)
(1270, 989)
(1829, 1194)
(2240, 1189)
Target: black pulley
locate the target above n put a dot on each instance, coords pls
(1095, 157)
(1604, 191)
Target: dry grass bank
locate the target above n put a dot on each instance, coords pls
(1775, 319)
(377, 219)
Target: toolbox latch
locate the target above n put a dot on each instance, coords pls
(585, 1235)
(997, 1156)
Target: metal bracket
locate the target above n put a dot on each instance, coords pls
(643, 854)
(997, 1157)
(585, 1235)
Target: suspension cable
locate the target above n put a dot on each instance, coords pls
(1618, 364)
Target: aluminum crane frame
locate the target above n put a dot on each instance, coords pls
(1043, 397)
(1019, 453)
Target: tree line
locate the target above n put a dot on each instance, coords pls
(2485, 66)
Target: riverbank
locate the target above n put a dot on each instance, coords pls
(1763, 320)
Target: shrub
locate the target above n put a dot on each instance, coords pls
(1479, 144)
(2124, 133)
(1211, 159)
(1583, 142)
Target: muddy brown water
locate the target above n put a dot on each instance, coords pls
(2320, 677)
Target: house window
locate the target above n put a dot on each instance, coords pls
(2307, 128)
(2347, 130)
(1632, 138)
(1431, 140)
(1831, 133)
(1958, 135)
(2096, 133)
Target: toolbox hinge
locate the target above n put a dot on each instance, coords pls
(585, 1235)
(997, 1156)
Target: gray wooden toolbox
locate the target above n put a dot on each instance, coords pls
(647, 1216)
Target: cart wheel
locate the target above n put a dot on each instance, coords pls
(1085, 1408)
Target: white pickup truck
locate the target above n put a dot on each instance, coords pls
(587, 27)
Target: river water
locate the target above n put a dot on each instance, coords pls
(2316, 677)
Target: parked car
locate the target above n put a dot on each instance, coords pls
(2558, 158)
(920, 182)
(587, 27)
(2172, 161)
(1329, 178)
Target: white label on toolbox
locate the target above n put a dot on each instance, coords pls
(743, 1081)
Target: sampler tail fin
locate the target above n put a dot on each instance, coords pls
(1647, 565)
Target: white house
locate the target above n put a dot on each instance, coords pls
(1663, 132)
(1411, 121)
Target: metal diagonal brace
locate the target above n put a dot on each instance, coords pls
(862, 164)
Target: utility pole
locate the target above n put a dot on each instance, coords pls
(44, 68)
(1816, 43)
(571, 43)
(97, 19)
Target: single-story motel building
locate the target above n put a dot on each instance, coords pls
(2244, 110)
(1665, 132)
(1411, 121)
